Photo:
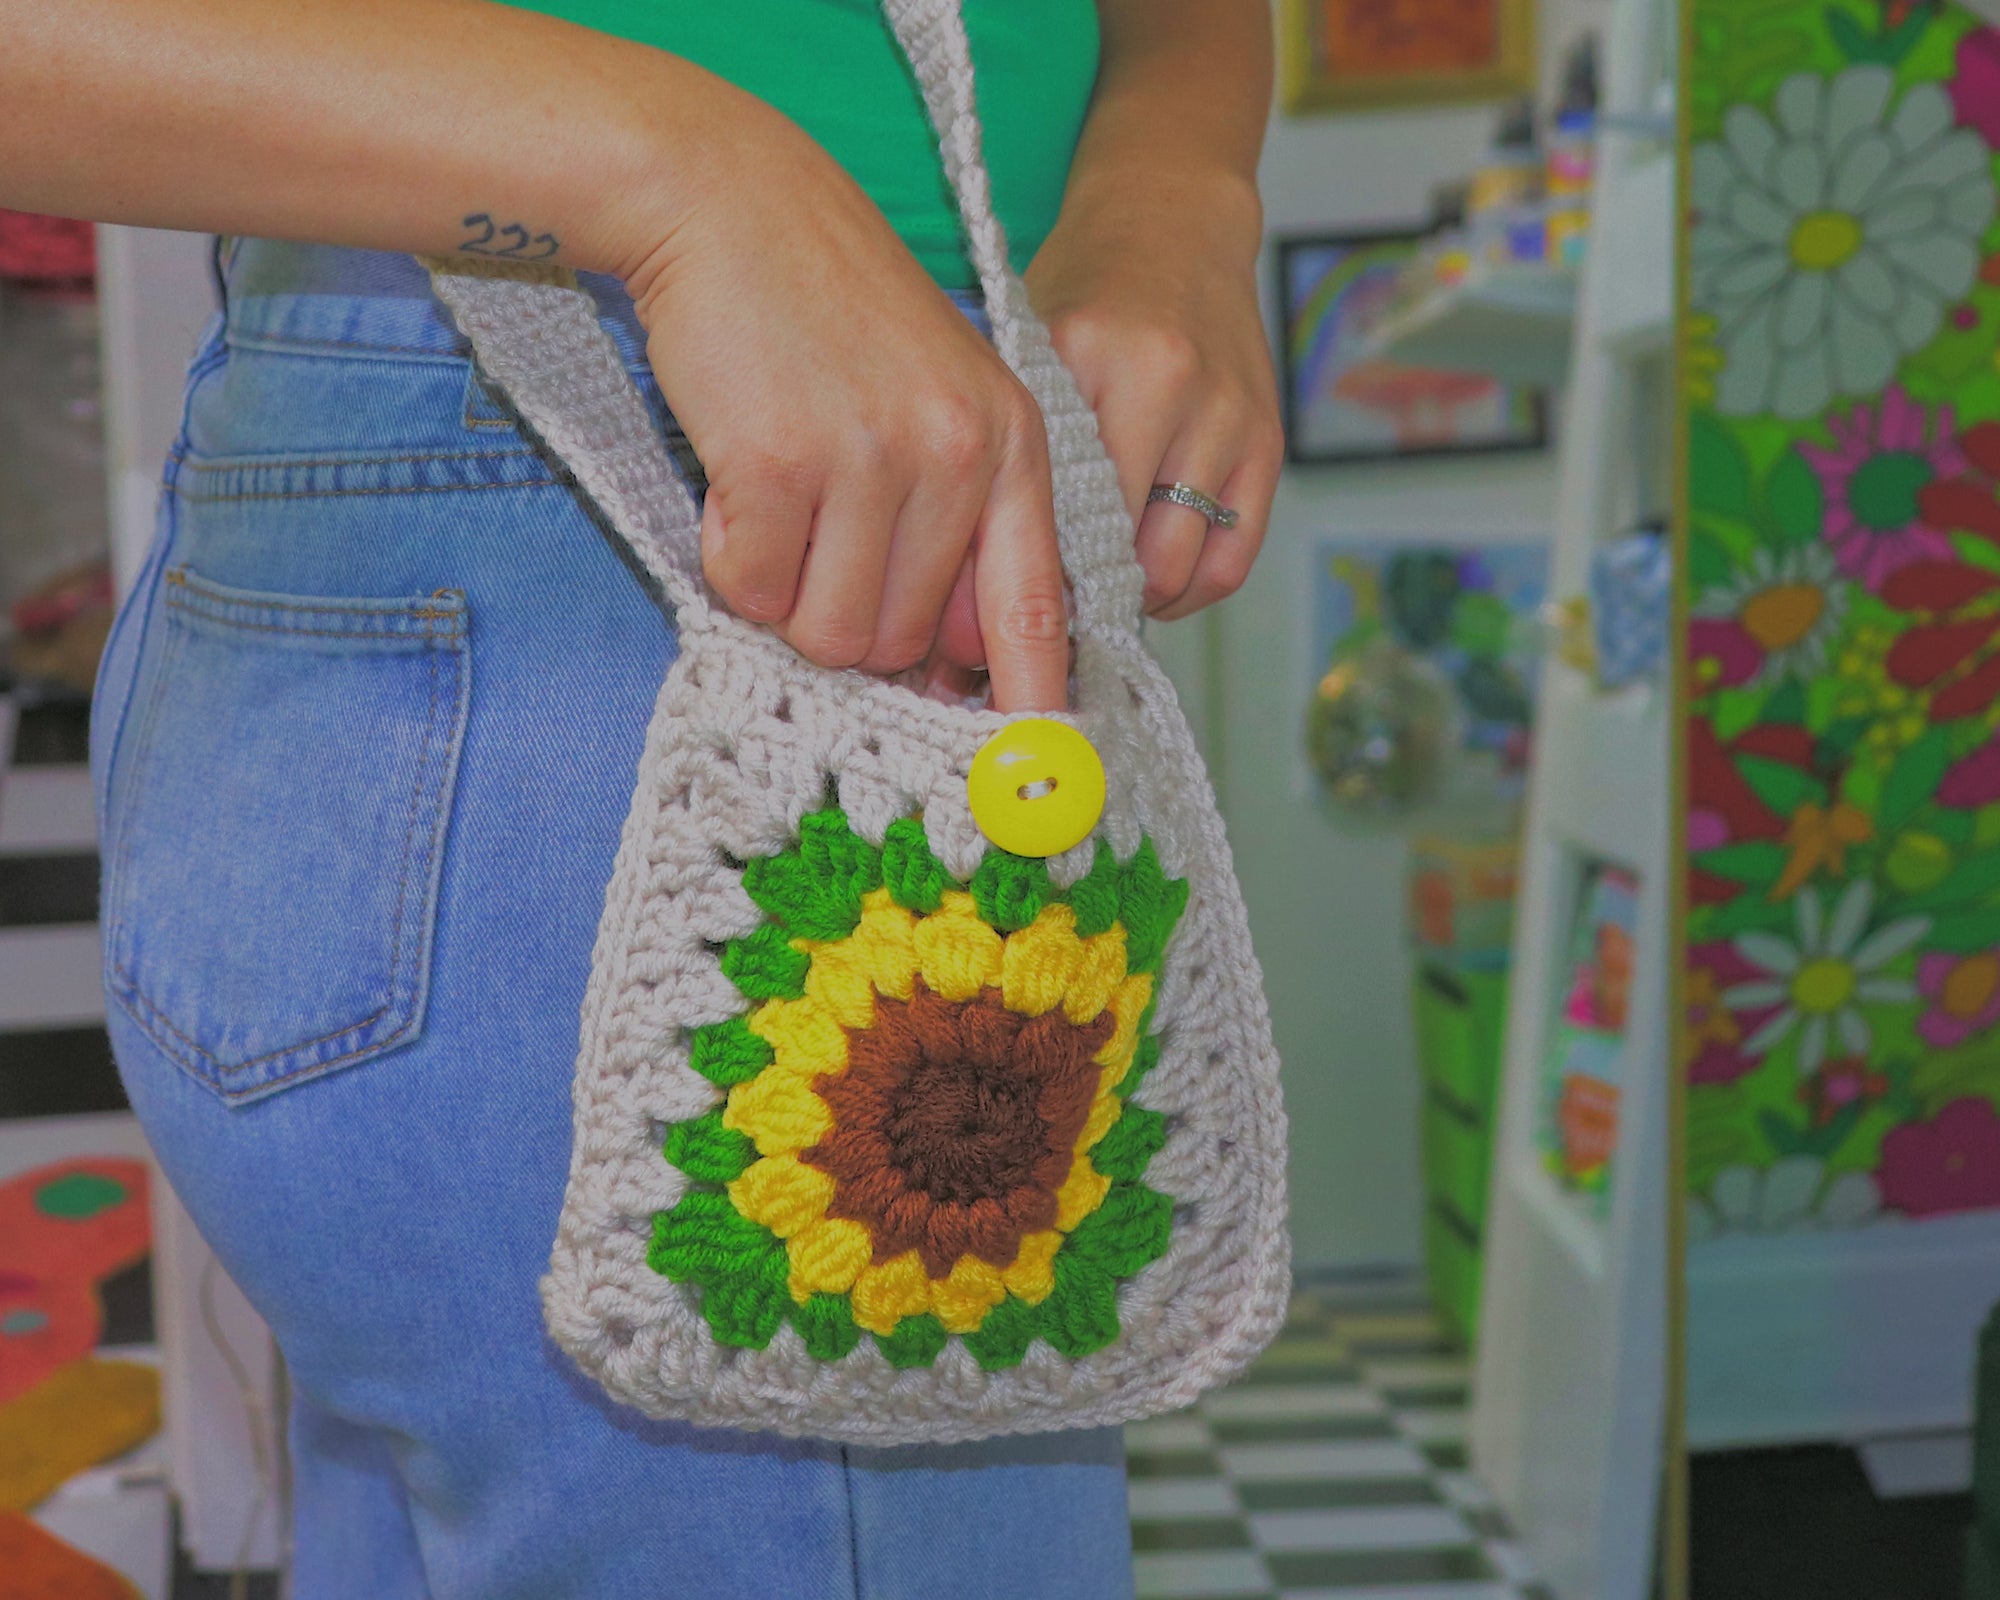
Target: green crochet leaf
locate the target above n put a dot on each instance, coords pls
(815, 888)
(765, 966)
(826, 1323)
(1010, 890)
(1094, 896)
(1145, 1057)
(746, 1308)
(915, 1343)
(1149, 904)
(706, 1240)
(707, 1151)
(1135, 1138)
(1002, 1340)
(740, 1266)
(728, 1053)
(916, 879)
(1128, 1231)
(1081, 1313)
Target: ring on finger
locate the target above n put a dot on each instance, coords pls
(1185, 494)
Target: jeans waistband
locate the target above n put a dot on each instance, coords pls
(280, 295)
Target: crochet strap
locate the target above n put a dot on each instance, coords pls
(1092, 523)
(536, 335)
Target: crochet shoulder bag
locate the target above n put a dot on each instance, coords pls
(883, 1133)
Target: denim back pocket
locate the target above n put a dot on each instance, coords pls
(275, 838)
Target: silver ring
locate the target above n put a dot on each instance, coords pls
(1185, 494)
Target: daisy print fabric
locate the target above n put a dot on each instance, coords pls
(1841, 384)
(923, 1126)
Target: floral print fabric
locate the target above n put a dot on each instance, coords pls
(1841, 378)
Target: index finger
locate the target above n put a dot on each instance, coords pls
(1017, 582)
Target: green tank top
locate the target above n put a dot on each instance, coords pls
(832, 66)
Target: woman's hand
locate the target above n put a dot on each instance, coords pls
(1148, 284)
(864, 444)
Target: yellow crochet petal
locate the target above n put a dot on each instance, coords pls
(1033, 1273)
(885, 944)
(1128, 1005)
(885, 1294)
(805, 1034)
(779, 1111)
(1099, 969)
(782, 1192)
(962, 1300)
(957, 954)
(827, 1257)
(1082, 1193)
(1104, 1111)
(838, 984)
(1035, 969)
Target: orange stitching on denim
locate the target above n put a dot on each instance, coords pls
(133, 992)
(277, 344)
(420, 635)
(395, 947)
(198, 588)
(252, 464)
(337, 494)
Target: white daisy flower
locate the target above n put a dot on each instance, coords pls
(1791, 603)
(1789, 1196)
(1831, 236)
(1821, 978)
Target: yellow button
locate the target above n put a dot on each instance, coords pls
(1036, 787)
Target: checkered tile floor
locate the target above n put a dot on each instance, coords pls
(1333, 1470)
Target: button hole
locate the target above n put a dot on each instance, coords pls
(1040, 789)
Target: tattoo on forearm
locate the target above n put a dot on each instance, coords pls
(513, 241)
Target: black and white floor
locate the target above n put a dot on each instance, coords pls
(1334, 1470)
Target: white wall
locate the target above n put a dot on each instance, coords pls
(1326, 907)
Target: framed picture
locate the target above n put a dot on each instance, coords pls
(1343, 404)
(1349, 55)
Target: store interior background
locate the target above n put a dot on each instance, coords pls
(1348, 1464)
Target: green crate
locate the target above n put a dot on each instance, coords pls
(1461, 1027)
(1452, 1268)
(1458, 1152)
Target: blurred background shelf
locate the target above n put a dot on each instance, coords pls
(1512, 322)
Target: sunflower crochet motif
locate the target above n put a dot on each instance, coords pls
(925, 1127)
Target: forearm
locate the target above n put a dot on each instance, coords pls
(1183, 96)
(386, 124)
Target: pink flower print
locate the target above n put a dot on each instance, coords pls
(1951, 1163)
(1723, 653)
(1964, 992)
(1975, 91)
(1840, 1084)
(1881, 462)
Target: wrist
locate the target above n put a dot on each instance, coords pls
(1140, 202)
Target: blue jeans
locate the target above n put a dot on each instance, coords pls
(364, 739)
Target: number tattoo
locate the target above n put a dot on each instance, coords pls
(522, 247)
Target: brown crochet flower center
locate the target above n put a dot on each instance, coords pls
(955, 1124)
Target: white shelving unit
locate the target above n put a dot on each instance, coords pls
(1516, 321)
(1569, 1422)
